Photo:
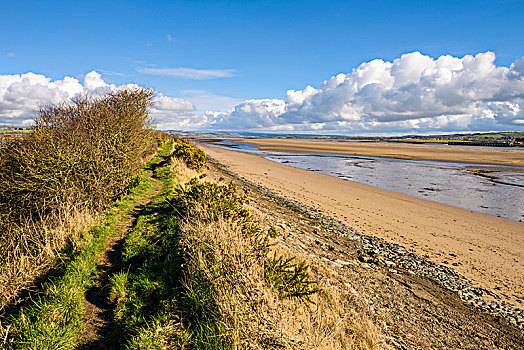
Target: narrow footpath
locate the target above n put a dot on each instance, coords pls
(73, 309)
(99, 310)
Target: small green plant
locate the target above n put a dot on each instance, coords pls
(272, 232)
(289, 278)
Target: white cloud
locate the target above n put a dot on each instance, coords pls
(188, 73)
(10, 54)
(413, 93)
(173, 113)
(22, 95)
(250, 114)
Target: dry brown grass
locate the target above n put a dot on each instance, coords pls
(37, 247)
(181, 173)
(253, 314)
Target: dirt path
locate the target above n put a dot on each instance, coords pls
(412, 312)
(99, 310)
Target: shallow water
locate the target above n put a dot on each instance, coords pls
(445, 182)
(462, 185)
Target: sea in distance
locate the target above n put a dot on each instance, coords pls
(462, 185)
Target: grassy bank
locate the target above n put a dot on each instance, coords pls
(200, 272)
(54, 317)
(197, 272)
(192, 268)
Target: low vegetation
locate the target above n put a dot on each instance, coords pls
(197, 270)
(200, 272)
(193, 157)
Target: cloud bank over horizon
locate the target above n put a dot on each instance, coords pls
(412, 94)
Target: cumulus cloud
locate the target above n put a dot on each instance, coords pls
(188, 73)
(250, 114)
(415, 93)
(22, 95)
(173, 113)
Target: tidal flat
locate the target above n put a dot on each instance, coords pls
(490, 189)
(484, 248)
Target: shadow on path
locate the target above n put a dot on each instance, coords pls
(99, 312)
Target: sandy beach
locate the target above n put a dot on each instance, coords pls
(486, 249)
(468, 154)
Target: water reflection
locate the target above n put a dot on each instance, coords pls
(494, 190)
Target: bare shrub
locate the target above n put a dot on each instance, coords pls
(83, 153)
(78, 158)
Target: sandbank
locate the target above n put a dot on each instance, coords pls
(467, 154)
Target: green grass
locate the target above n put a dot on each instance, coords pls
(149, 292)
(196, 273)
(167, 295)
(53, 319)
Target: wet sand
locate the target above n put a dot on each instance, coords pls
(486, 249)
(468, 154)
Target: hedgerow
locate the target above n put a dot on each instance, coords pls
(78, 157)
(82, 153)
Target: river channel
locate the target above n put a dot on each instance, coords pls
(488, 189)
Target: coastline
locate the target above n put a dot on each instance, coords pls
(483, 248)
(460, 154)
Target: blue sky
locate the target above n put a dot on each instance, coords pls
(243, 50)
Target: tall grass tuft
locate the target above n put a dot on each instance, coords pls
(79, 156)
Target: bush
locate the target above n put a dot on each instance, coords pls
(194, 157)
(83, 153)
(211, 201)
(289, 278)
(77, 158)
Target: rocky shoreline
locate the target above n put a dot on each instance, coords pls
(395, 258)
